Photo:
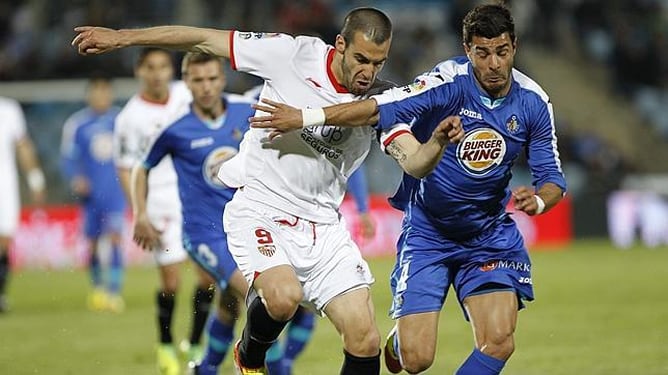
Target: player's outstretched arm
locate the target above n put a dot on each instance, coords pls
(95, 40)
(419, 159)
(283, 118)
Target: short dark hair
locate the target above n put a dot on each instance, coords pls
(488, 21)
(99, 76)
(146, 51)
(197, 58)
(373, 23)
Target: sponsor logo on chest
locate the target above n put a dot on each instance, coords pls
(481, 151)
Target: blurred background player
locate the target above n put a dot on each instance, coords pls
(282, 354)
(87, 163)
(199, 143)
(159, 103)
(15, 144)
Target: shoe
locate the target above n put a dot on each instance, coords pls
(115, 303)
(168, 361)
(190, 352)
(391, 358)
(97, 300)
(241, 370)
(201, 369)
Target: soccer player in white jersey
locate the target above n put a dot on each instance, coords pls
(284, 228)
(14, 142)
(158, 104)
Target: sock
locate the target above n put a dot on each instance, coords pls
(95, 269)
(220, 339)
(479, 363)
(259, 334)
(300, 331)
(201, 306)
(116, 270)
(274, 359)
(165, 303)
(4, 269)
(353, 365)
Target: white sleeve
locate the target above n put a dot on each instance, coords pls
(127, 150)
(261, 54)
(15, 120)
(388, 135)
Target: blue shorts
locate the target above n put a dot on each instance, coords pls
(212, 254)
(427, 264)
(98, 221)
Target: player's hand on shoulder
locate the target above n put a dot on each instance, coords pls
(524, 200)
(280, 117)
(91, 40)
(145, 234)
(450, 130)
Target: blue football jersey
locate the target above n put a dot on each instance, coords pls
(469, 188)
(198, 149)
(87, 151)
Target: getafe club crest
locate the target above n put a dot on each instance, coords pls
(512, 125)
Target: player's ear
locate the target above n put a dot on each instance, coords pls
(340, 44)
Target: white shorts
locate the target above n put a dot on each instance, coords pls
(9, 214)
(172, 251)
(326, 260)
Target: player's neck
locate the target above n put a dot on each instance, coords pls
(212, 114)
(335, 68)
(155, 97)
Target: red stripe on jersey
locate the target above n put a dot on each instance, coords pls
(233, 64)
(391, 138)
(145, 98)
(332, 78)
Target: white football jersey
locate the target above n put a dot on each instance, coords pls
(12, 129)
(137, 127)
(303, 172)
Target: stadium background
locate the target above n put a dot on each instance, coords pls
(605, 66)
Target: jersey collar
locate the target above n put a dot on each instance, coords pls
(332, 78)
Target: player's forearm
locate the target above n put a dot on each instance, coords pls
(124, 179)
(551, 194)
(184, 38)
(139, 190)
(424, 159)
(29, 164)
(359, 113)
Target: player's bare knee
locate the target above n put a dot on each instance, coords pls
(416, 360)
(362, 341)
(499, 345)
(282, 301)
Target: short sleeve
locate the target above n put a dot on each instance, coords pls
(261, 54)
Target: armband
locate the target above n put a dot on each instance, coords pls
(35, 179)
(313, 117)
(540, 203)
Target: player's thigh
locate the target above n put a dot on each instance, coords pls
(332, 266)
(418, 335)
(172, 250)
(421, 275)
(257, 243)
(209, 251)
(498, 262)
(493, 315)
(353, 316)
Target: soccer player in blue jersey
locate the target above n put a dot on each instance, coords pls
(88, 166)
(199, 143)
(456, 230)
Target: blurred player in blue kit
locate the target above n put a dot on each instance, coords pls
(87, 160)
(456, 231)
(198, 143)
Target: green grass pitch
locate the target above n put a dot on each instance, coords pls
(598, 311)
